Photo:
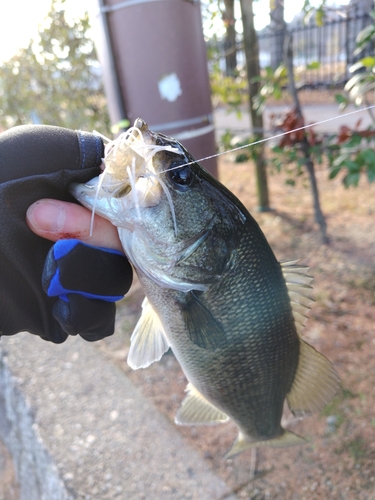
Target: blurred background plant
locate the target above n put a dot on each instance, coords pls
(349, 152)
(56, 79)
(352, 150)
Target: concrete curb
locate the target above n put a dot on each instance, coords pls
(36, 472)
(79, 429)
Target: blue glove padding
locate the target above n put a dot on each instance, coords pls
(93, 272)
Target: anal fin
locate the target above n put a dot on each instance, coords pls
(243, 443)
(148, 342)
(195, 410)
(315, 382)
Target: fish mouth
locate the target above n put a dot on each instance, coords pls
(129, 179)
(130, 156)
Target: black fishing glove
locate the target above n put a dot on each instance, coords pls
(40, 162)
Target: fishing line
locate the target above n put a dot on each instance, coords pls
(277, 136)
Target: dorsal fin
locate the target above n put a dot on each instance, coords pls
(299, 290)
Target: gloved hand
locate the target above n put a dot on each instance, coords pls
(87, 281)
(40, 162)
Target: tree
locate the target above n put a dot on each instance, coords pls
(277, 27)
(56, 79)
(230, 46)
(301, 147)
(304, 142)
(253, 76)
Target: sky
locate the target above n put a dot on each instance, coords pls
(19, 19)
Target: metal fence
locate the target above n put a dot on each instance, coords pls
(331, 45)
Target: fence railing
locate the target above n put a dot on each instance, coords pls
(331, 45)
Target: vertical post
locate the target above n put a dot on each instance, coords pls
(347, 48)
(104, 48)
(160, 58)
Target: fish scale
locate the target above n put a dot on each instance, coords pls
(215, 293)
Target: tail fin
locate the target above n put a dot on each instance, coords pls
(243, 443)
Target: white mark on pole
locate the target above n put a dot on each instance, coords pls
(170, 87)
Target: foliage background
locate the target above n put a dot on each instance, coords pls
(56, 80)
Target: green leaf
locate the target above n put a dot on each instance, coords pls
(320, 15)
(364, 34)
(354, 141)
(281, 72)
(269, 72)
(369, 156)
(371, 173)
(354, 67)
(353, 80)
(368, 62)
(334, 171)
(122, 124)
(241, 158)
(364, 37)
(341, 99)
(340, 160)
(351, 179)
(290, 182)
(353, 166)
(277, 93)
(313, 65)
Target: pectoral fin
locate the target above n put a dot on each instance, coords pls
(202, 327)
(195, 410)
(148, 342)
(315, 382)
(243, 443)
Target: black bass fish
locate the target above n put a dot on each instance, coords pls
(215, 292)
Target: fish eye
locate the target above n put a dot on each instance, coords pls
(183, 177)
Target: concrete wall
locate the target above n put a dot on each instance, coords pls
(36, 473)
(79, 429)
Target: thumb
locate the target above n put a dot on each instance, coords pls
(56, 220)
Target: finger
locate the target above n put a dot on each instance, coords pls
(56, 220)
(92, 319)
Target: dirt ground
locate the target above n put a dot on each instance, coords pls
(339, 461)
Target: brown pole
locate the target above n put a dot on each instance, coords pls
(160, 59)
(112, 88)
